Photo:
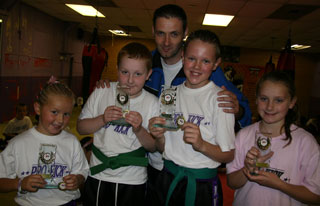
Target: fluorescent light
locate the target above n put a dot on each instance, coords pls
(85, 10)
(119, 33)
(185, 38)
(299, 47)
(217, 20)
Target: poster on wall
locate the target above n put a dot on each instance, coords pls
(245, 78)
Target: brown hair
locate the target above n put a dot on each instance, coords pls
(205, 36)
(136, 50)
(293, 114)
(54, 88)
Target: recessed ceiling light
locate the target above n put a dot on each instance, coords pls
(85, 10)
(299, 47)
(119, 33)
(217, 20)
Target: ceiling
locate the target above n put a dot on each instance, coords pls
(263, 24)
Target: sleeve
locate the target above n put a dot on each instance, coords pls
(7, 163)
(153, 111)
(80, 163)
(219, 79)
(30, 125)
(239, 155)
(91, 105)
(310, 166)
(225, 136)
(8, 129)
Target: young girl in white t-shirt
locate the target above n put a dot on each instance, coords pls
(46, 164)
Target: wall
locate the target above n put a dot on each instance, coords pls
(305, 66)
(314, 106)
(29, 58)
(113, 46)
(34, 47)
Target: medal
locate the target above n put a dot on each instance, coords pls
(263, 143)
(180, 121)
(122, 98)
(47, 157)
(167, 99)
(62, 186)
(167, 107)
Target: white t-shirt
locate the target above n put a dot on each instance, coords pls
(113, 140)
(170, 71)
(298, 164)
(200, 106)
(21, 159)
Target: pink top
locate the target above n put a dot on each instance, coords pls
(297, 163)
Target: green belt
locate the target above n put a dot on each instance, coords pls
(136, 158)
(192, 174)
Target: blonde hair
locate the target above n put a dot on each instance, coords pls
(54, 87)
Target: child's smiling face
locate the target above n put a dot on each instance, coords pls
(199, 62)
(273, 102)
(54, 115)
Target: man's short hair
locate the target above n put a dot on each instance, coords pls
(171, 11)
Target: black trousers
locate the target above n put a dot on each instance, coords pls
(158, 185)
(107, 193)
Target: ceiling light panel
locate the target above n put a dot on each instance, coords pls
(85, 10)
(217, 20)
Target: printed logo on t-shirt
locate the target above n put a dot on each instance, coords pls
(193, 118)
(278, 172)
(57, 170)
(121, 129)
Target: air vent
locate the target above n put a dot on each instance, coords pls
(292, 11)
(104, 3)
(130, 28)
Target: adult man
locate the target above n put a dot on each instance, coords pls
(169, 29)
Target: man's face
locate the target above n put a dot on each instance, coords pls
(169, 34)
(21, 112)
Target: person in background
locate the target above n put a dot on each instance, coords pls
(292, 176)
(20, 123)
(45, 154)
(118, 161)
(206, 139)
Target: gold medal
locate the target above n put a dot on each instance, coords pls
(47, 157)
(263, 143)
(62, 186)
(167, 99)
(180, 121)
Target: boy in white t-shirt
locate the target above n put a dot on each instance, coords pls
(18, 124)
(206, 139)
(118, 161)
